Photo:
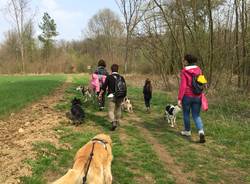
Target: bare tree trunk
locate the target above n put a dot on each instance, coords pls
(211, 43)
(180, 10)
(194, 35)
(169, 26)
(237, 42)
(132, 13)
(126, 54)
(243, 41)
(229, 44)
(17, 10)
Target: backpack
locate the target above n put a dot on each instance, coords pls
(101, 79)
(198, 83)
(102, 74)
(120, 87)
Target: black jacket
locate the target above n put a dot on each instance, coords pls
(147, 92)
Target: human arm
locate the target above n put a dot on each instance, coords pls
(182, 88)
(104, 87)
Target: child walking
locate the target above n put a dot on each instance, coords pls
(147, 93)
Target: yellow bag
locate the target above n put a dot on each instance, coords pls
(201, 79)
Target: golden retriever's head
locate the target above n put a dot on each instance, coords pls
(104, 137)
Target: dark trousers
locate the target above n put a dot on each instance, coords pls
(101, 101)
(147, 101)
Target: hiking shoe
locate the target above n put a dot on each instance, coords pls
(114, 125)
(202, 138)
(186, 133)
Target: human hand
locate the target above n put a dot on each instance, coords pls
(100, 96)
(179, 103)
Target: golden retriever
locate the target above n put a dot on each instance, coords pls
(100, 166)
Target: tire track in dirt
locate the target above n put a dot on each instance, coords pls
(19, 131)
(124, 138)
(168, 161)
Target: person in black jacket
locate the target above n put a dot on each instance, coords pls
(114, 98)
(147, 92)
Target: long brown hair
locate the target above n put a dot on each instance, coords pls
(148, 85)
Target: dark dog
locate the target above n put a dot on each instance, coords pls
(77, 112)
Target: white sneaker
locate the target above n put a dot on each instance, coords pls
(186, 133)
(201, 132)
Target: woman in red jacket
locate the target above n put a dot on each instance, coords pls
(187, 99)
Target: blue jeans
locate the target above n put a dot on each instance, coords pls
(193, 104)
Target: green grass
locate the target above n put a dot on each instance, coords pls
(54, 159)
(58, 161)
(19, 91)
(227, 132)
(223, 159)
(144, 158)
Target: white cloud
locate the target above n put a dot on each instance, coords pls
(3, 3)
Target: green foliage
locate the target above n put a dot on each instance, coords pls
(19, 91)
(48, 27)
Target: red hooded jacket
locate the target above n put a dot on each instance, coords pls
(186, 81)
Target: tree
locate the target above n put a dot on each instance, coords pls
(211, 40)
(48, 27)
(132, 12)
(104, 28)
(18, 12)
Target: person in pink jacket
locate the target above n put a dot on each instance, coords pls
(97, 80)
(187, 99)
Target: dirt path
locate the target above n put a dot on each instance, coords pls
(18, 133)
(168, 161)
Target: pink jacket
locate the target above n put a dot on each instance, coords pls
(186, 81)
(95, 83)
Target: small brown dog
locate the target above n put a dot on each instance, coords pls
(96, 167)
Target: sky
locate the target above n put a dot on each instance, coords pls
(71, 16)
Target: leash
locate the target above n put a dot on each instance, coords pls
(84, 179)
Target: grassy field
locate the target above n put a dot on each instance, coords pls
(225, 156)
(223, 159)
(19, 91)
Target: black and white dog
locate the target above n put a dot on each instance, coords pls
(77, 113)
(170, 114)
(85, 92)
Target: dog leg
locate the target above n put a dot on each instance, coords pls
(172, 122)
(168, 119)
(108, 175)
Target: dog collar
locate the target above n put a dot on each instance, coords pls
(104, 143)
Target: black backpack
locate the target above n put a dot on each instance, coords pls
(197, 87)
(120, 87)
